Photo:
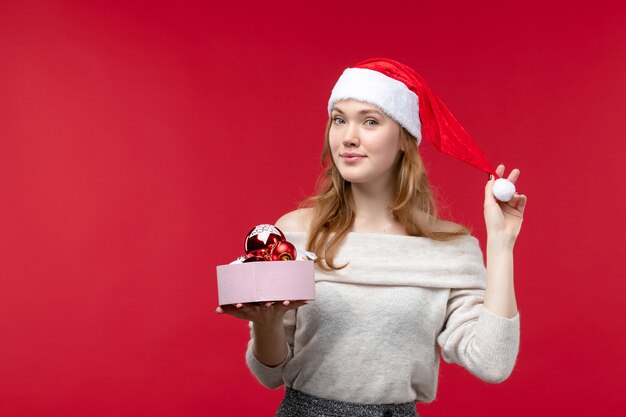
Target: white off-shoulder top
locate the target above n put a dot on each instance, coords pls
(374, 332)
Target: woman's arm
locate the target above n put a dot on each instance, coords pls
(269, 347)
(504, 222)
(270, 343)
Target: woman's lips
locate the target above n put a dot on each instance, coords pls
(351, 158)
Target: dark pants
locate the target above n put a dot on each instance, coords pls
(299, 404)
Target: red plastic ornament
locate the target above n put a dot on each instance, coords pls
(261, 253)
(263, 237)
(254, 258)
(284, 251)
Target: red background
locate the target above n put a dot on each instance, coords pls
(139, 141)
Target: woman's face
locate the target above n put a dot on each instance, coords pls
(364, 142)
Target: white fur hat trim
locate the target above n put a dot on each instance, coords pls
(390, 95)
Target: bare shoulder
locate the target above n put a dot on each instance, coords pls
(440, 225)
(445, 226)
(295, 221)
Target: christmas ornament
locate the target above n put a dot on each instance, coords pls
(263, 254)
(284, 251)
(266, 242)
(254, 258)
(263, 237)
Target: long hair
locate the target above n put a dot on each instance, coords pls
(414, 204)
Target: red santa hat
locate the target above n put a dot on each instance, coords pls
(404, 96)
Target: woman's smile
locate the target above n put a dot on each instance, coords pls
(352, 157)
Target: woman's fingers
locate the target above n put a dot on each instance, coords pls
(516, 206)
(513, 175)
(291, 304)
(253, 310)
(489, 197)
(500, 170)
(519, 202)
(296, 304)
(227, 309)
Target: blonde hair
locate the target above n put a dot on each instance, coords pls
(333, 208)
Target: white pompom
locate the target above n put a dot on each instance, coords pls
(503, 189)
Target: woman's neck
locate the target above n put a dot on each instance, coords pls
(372, 212)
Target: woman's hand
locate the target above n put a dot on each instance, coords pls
(270, 343)
(504, 220)
(265, 314)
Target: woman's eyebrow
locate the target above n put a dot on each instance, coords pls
(372, 111)
(361, 112)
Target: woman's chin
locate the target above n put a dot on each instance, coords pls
(355, 179)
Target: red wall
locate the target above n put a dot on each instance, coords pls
(139, 142)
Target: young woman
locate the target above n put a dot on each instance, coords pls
(394, 283)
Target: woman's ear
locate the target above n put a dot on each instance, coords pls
(403, 136)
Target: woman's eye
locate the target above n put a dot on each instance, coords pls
(338, 120)
(371, 122)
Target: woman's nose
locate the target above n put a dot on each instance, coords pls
(351, 136)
